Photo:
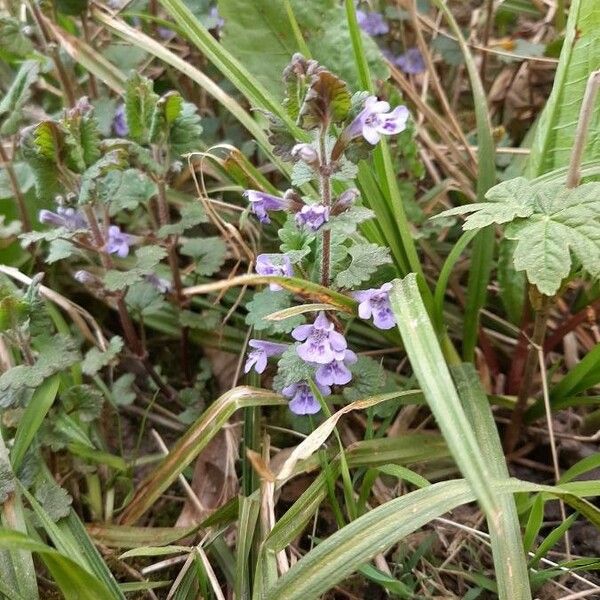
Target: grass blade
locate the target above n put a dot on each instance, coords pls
(483, 246)
(32, 418)
(505, 531)
(192, 443)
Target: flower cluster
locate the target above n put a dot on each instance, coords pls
(319, 348)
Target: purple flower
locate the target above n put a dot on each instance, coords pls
(118, 242)
(274, 264)
(303, 401)
(261, 204)
(120, 122)
(63, 217)
(322, 343)
(372, 23)
(376, 303)
(411, 62)
(257, 358)
(336, 372)
(313, 216)
(376, 120)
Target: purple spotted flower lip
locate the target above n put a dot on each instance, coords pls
(375, 303)
(313, 216)
(411, 62)
(120, 122)
(322, 343)
(261, 351)
(375, 120)
(274, 264)
(69, 218)
(336, 372)
(261, 204)
(117, 242)
(303, 401)
(372, 23)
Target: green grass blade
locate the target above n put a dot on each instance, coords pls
(505, 531)
(32, 418)
(192, 443)
(580, 55)
(483, 247)
(74, 581)
(429, 366)
(249, 511)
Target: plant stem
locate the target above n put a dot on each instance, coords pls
(583, 125)
(131, 337)
(325, 185)
(511, 437)
(171, 241)
(16, 189)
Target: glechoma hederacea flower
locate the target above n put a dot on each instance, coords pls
(261, 352)
(313, 216)
(376, 303)
(261, 204)
(118, 242)
(321, 343)
(303, 401)
(376, 120)
(372, 23)
(336, 372)
(274, 264)
(69, 218)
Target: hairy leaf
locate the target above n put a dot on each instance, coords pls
(55, 500)
(291, 369)
(209, 253)
(84, 400)
(17, 95)
(365, 259)
(96, 359)
(125, 190)
(186, 131)
(147, 258)
(140, 103)
(191, 214)
(266, 302)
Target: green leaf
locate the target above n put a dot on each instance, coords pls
(147, 258)
(55, 354)
(186, 131)
(296, 243)
(327, 101)
(17, 96)
(264, 303)
(365, 259)
(368, 379)
(209, 253)
(143, 298)
(291, 369)
(566, 221)
(125, 190)
(140, 103)
(84, 400)
(122, 389)
(96, 359)
(13, 38)
(580, 55)
(168, 108)
(82, 138)
(31, 421)
(264, 39)
(192, 213)
(59, 250)
(55, 500)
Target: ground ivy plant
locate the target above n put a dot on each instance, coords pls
(320, 236)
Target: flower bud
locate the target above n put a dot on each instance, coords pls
(306, 153)
(345, 201)
(84, 277)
